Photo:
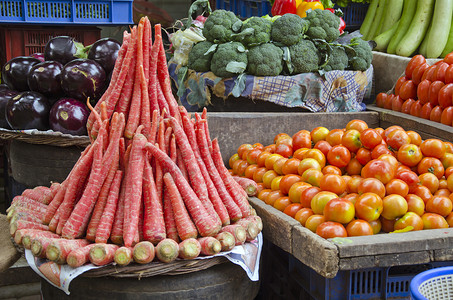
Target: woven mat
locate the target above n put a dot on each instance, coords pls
(177, 267)
(45, 137)
(8, 252)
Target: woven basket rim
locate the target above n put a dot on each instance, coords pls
(45, 138)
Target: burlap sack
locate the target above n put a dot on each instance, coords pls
(8, 252)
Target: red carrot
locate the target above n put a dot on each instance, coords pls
(167, 139)
(26, 217)
(240, 200)
(164, 78)
(23, 210)
(209, 246)
(145, 113)
(164, 108)
(114, 90)
(122, 150)
(196, 179)
(102, 254)
(173, 152)
(41, 194)
(133, 182)
(257, 220)
(21, 224)
(53, 225)
(123, 256)
(213, 194)
(147, 40)
(251, 228)
(140, 221)
(126, 92)
(143, 252)
(134, 117)
(154, 123)
(170, 220)
(59, 249)
(22, 201)
(152, 85)
(186, 228)
(205, 224)
(247, 184)
(104, 228)
(154, 224)
(233, 209)
(167, 250)
(39, 244)
(24, 236)
(79, 256)
(121, 55)
(55, 203)
(227, 240)
(116, 236)
(239, 233)
(204, 116)
(181, 165)
(189, 249)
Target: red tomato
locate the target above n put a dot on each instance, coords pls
(312, 176)
(353, 183)
(449, 58)
(416, 139)
(295, 191)
(416, 108)
(334, 137)
(408, 90)
(429, 73)
(368, 207)
(432, 165)
(339, 156)
(370, 138)
(418, 72)
(445, 95)
(303, 214)
(243, 148)
(329, 169)
(282, 203)
(387, 225)
(397, 138)
(447, 116)
(284, 150)
(433, 221)
(287, 181)
(415, 204)
(308, 163)
(333, 183)
(352, 140)
(409, 219)
(330, 230)
(399, 82)
(363, 155)
(359, 228)
(319, 133)
(319, 201)
(425, 112)
(436, 114)
(406, 107)
(423, 192)
(301, 139)
(379, 150)
(252, 155)
(250, 170)
(270, 148)
(324, 146)
(357, 124)
(339, 210)
(409, 155)
(389, 129)
(389, 101)
(378, 169)
(433, 147)
(430, 181)
(394, 206)
(433, 92)
(397, 186)
(314, 221)
(258, 174)
(279, 136)
(415, 61)
(290, 166)
(307, 195)
(441, 71)
(292, 209)
(316, 154)
(380, 99)
(371, 185)
(449, 74)
(423, 91)
(262, 158)
(397, 103)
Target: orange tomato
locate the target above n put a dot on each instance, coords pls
(333, 183)
(292, 209)
(359, 228)
(302, 215)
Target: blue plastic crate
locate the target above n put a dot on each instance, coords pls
(245, 8)
(230, 5)
(66, 12)
(354, 14)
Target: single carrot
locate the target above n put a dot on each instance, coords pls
(232, 208)
(120, 58)
(139, 235)
(80, 256)
(209, 246)
(205, 224)
(122, 150)
(189, 248)
(204, 116)
(170, 219)
(159, 172)
(116, 236)
(147, 43)
(145, 113)
(143, 252)
(22, 224)
(229, 182)
(167, 250)
(196, 179)
(41, 194)
(134, 182)
(154, 123)
(164, 108)
(126, 93)
(29, 203)
(152, 85)
(23, 210)
(181, 165)
(167, 139)
(134, 117)
(249, 185)
(102, 254)
(239, 233)
(25, 236)
(173, 152)
(104, 227)
(59, 249)
(123, 256)
(227, 240)
(258, 221)
(186, 228)
(26, 217)
(53, 225)
(251, 228)
(55, 203)
(154, 223)
(39, 244)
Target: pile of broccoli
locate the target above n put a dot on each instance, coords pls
(286, 45)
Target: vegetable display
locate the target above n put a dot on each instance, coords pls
(423, 91)
(407, 28)
(354, 180)
(151, 184)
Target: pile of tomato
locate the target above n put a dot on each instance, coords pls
(355, 180)
(424, 91)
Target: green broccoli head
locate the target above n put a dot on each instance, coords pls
(338, 59)
(254, 31)
(361, 59)
(288, 29)
(265, 60)
(199, 60)
(304, 57)
(323, 25)
(220, 25)
(230, 59)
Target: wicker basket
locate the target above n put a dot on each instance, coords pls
(50, 137)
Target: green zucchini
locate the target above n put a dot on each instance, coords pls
(392, 14)
(449, 46)
(376, 20)
(409, 8)
(383, 39)
(370, 13)
(417, 29)
(440, 28)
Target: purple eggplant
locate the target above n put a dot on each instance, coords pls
(5, 95)
(105, 52)
(45, 78)
(64, 49)
(83, 78)
(70, 116)
(15, 72)
(28, 110)
(39, 56)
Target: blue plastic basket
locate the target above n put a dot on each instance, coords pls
(66, 12)
(433, 284)
(245, 8)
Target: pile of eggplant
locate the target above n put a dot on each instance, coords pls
(49, 90)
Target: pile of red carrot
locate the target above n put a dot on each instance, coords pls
(151, 184)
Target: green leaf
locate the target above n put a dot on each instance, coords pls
(198, 7)
(236, 67)
(237, 26)
(182, 72)
(241, 48)
(287, 59)
(211, 49)
(239, 85)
